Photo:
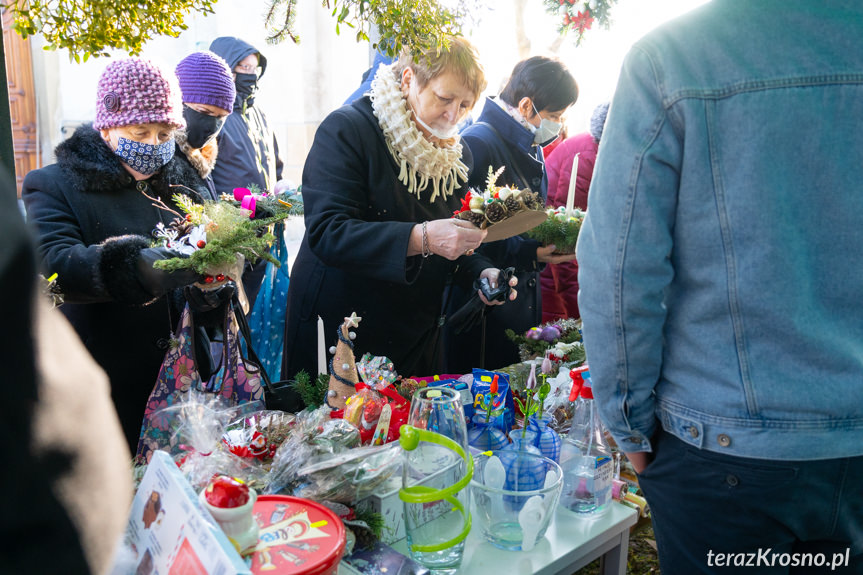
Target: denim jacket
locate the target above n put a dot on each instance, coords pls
(721, 260)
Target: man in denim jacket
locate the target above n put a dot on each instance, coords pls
(721, 274)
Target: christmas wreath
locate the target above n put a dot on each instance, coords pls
(578, 16)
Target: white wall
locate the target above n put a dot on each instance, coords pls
(303, 82)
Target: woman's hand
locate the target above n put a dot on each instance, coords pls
(492, 275)
(449, 238)
(546, 255)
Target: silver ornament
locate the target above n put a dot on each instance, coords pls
(352, 335)
(345, 367)
(333, 350)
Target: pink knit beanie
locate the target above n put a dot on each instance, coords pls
(136, 91)
(206, 79)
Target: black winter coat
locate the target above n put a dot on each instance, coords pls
(92, 220)
(248, 151)
(511, 145)
(353, 257)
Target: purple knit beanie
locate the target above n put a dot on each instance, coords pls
(136, 91)
(205, 78)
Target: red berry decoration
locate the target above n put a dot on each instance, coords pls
(220, 277)
(201, 244)
(208, 279)
(226, 492)
(188, 217)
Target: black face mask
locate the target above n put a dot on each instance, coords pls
(200, 128)
(247, 87)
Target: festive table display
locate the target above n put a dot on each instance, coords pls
(383, 480)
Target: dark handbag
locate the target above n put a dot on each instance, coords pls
(279, 395)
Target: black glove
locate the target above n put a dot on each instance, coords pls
(158, 282)
(208, 300)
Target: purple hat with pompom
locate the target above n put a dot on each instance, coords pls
(205, 78)
(136, 91)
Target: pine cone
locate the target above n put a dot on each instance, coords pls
(495, 212)
(513, 205)
(476, 218)
(531, 200)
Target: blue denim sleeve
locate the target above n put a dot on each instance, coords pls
(624, 251)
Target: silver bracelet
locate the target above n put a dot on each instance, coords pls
(426, 249)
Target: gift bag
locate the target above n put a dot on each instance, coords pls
(231, 381)
(267, 320)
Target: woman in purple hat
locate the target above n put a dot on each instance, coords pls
(208, 93)
(94, 215)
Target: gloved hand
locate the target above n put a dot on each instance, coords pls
(209, 300)
(158, 282)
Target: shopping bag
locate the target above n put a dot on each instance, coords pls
(231, 381)
(267, 320)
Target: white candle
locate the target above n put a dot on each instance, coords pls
(570, 196)
(322, 354)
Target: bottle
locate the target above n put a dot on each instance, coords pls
(586, 457)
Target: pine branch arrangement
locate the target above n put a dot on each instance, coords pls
(212, 234)
(560, 229)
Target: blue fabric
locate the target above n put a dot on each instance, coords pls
(145, 158)
(703, 502)
(267, 321)
(719, 262)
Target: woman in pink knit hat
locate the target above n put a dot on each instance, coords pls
(94, 215)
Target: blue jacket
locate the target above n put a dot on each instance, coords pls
(720, 261)
(248, 150)
(496, 140)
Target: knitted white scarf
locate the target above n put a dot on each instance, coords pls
(419, 160)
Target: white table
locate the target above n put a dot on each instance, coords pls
(570, 543)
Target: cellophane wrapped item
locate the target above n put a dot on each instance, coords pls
(197, 424)
(258, 435)
(557, 408)
(348, 476)
(313, 434)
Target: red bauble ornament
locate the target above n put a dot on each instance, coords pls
(201, 244)
(220, 277)
(208, 279)
(226, 492)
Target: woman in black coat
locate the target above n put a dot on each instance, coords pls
(94, 215)
(380, 185)
(510, 132)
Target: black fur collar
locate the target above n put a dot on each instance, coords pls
(92, 166)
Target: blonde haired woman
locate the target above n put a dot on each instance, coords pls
(380, 184)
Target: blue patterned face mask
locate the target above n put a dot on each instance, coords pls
(145, 158)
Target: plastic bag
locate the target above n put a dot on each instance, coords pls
(348, 476)
(258, 435)
(313, 434)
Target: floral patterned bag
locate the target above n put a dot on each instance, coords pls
(230, 380)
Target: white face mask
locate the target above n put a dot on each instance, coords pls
(547, 130)
(452, 132)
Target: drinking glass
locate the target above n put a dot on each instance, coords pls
(436, 472)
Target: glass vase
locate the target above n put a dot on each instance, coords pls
(485, 435)
(548, 440)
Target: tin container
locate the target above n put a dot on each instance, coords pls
(297, 536)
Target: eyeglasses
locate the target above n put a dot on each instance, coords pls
(248, 69)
